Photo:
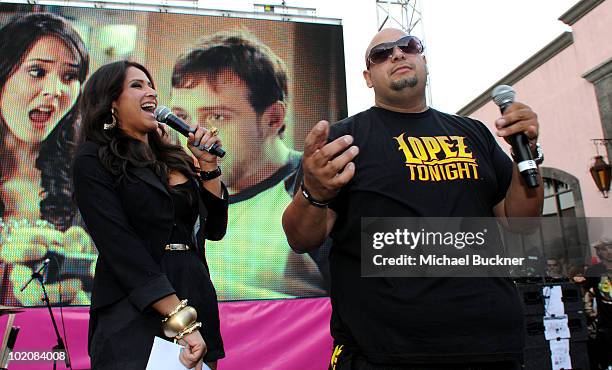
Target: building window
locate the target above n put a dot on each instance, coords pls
(558, 199)
(562, 237)
(560, 234)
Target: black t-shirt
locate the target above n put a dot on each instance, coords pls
(599, 278)
(412, 165)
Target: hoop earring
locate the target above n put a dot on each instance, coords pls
(110, 126)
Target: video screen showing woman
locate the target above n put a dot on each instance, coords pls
(43, 68)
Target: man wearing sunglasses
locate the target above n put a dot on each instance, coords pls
(402, 158)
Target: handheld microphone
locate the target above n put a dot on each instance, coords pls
(503, 96)
(165, 115)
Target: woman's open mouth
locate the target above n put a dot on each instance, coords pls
(148, 107)
(40, 116)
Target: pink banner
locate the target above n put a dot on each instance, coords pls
(281, 334)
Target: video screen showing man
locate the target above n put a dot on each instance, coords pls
(232, 81)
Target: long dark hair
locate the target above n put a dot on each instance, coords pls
(118, 151)
(16, 39)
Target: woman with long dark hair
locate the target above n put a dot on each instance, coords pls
(148, 210)
(44, 63)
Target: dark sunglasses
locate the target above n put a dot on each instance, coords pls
(382, 52)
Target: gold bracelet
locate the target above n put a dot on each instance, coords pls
(179, 321)
(193, 327)
(182, 304)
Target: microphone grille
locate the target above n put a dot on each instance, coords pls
(503, 94)
(161, 113)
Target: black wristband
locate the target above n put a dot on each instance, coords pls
(209, 175)
(311, 200)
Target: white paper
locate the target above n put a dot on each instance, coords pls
(560, 354)
(553, 305)
(165, 356)
(556, 327)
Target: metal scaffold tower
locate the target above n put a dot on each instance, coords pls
(404, 14)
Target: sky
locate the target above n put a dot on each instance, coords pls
(474, 43)
(470, 44)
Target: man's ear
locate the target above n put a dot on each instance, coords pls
(367, 78)
(274, 116)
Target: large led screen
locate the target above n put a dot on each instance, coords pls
(42, 74)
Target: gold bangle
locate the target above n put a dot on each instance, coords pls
(179, 321)
(182, 304)
(193, 327)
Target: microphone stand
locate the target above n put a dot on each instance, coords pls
(59, 347)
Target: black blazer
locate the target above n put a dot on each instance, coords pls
(130, 223)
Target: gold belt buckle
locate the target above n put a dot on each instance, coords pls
(176, 247)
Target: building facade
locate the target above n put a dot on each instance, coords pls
(569, 85)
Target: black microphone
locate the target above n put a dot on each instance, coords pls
(503, 96)
(165, 115)
(36, 275)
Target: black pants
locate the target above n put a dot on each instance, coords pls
(346, 360)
